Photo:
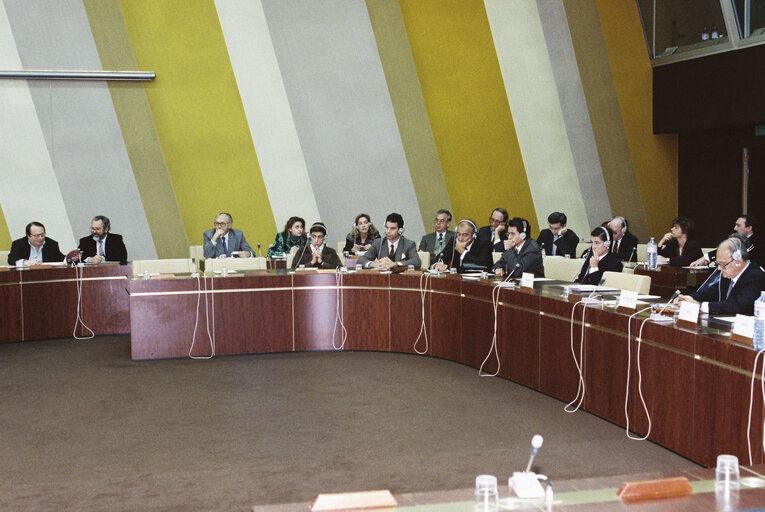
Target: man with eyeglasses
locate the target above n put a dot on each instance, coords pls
(496, 231)
(34, 249)
(435, 242)
(225, 242)
(739, 285)
(317, 254)
(103, 245)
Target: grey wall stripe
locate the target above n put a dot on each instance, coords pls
(343, 113)
(79, 122)
(576, 117)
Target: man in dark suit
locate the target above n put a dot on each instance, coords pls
(465, 251)
(739, 285)
(558, 240)
(317, 254)
(224, 241)
(102, 245)
(522, 254)
(599, 259)
(495, 231)
(34, 249)
(623, 243)
(744, 226)
(435, 242)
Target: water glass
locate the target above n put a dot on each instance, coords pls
(486, 493)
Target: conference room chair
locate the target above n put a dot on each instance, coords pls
(197, 255)
(642, 252)
(495, 256)
(4, 257)
(340, 246)
(633, 282)
(561, 268)
(212, 265)
(581, 247)
(168, 266)
(424, 260)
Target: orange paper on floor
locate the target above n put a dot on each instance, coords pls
(354, 501)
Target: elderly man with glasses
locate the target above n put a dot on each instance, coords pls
(739, 285)
(436, 241)
(223, 241)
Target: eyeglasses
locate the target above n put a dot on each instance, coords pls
(221, 224)
(38, 235)
(441, 221)
(723, 265)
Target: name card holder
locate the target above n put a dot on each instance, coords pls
(627, 301)
(688, 315)
(743, 329)
(527, 281)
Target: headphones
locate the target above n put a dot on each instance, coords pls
(522, 236)
(736, 254)
(319, 225)
(607, 243)
(475, 229)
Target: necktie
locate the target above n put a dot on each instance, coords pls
(554, 247)
(392, 253)
(440, 243)
(225, 249)
(730, 287)
(615, 247)
(100, 247)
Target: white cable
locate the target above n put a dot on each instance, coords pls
(78, 278)
(578, 363)
(640, 374)
(207, 315)
(423, 328)
(339, 312)
(493, 348)
(751, 402)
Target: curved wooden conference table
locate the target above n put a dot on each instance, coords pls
(695, 381)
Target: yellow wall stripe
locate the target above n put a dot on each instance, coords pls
(654, 157)
(198, 115)
(469, 113)
(5, 235)
(137, 126)
(409, 108)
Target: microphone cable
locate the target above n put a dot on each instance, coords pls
(79, 274)
(339, 312)
(639, 340)
(494, 349)
(751, 402)
(423, 328)
(580, 362)
(211, 337)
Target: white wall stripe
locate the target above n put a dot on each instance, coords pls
(29, 189)
(79, 123)
(536, 110)
(267, 109)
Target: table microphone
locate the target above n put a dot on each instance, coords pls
(259, 254)
(657, 317)
(536, 444)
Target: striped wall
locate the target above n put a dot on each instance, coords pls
(326, 108)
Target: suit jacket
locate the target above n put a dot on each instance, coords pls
(742, 296)
(428, 242)
(329, 258)
(691, 252)
(20, 250)
(236, 242)
(755, 247)
(114, 248)
(406, 253)
(477, 258)
(528, 259)
(563, 245)
(628, 247)
(485, 234)
(608, 263)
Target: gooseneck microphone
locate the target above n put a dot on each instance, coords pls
(259, 254)
(536, 444)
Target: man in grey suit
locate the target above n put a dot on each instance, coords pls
(394, 250)
(223, 241)
(435, 242)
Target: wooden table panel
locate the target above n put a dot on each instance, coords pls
(478, 328)
(446, 318)
(518, 334)
(315, 311)
(11, 328)
(406, 316)
(558, 376)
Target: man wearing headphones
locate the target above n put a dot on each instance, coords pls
(599, 259)
(495, 232)
(739, 285)
(522, 254)
(466, 251)
(394, 250)
(558, 240)
(623, 243)
(317, 254)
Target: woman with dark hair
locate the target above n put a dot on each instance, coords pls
(362, 236)
(677, 247)
(290, 240)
